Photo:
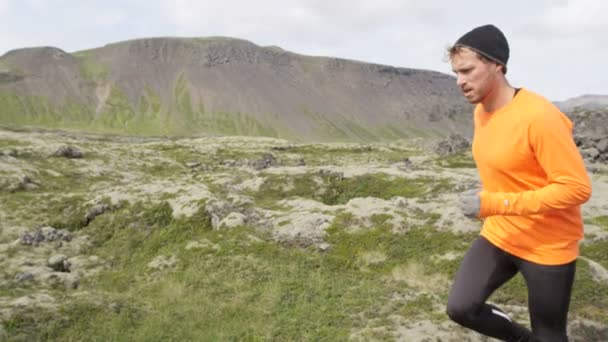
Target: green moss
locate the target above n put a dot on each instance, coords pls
(177, 152)
(360, 133)
(117, 113)
(37, 111)
(402, 131)
(10, 72)
(601, 221)
(150, 115)
(35, 208)
(381, 220)
(326, 128)
(224, 123)
(280, 293)
(183, 103)
(458, 160)
(184, 115)
(43, 325)
(390, 133)
(223, 154)
(7, 143)
(415, 245)
(16, 110)
(4, 64)
(338, 190)
(66, 213)
(140, 231)
(255, 290)
(318, 154)
(58, 174)
(589, 297)
(120, 116)
(90, 68)
(596, 251)
(157, 216)
(193, 118)
(418, 307)
(239, 284)
(155, 104)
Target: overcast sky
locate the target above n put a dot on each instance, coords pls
(559, 48)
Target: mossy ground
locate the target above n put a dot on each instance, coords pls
(240, 284)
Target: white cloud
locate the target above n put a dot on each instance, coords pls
(108, 17)
(316, 18)
(376, 31)
(37, 5)
(3, 6)
(404, 33)
(577, 17)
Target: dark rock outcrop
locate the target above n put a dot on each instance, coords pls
(68, 152)
(454, 143)
(591, 133)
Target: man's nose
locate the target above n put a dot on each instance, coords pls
(460, 81)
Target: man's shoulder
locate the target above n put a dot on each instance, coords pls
(541, 112)
(536, 104)
(532, 98)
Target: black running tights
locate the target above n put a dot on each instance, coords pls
(484, 269)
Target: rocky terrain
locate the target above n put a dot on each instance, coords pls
(220, 238)
(591, 132)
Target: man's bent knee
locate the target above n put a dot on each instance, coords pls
(461, 313)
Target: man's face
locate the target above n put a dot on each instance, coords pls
(475, 77)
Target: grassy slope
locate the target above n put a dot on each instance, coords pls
(180, 117)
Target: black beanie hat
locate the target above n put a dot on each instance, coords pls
(487, 40)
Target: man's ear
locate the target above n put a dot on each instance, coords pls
(498, 67)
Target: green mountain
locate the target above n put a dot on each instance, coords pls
(224, 86)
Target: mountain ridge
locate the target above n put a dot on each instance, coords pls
(585, 101)
(225, 86)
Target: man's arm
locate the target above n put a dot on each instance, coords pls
(550, 136)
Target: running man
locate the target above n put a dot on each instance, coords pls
(533, 183)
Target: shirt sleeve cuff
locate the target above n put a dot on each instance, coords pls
(485, 209)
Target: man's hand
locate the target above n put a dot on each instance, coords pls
(470, 203)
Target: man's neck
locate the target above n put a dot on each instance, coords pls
(500, 96)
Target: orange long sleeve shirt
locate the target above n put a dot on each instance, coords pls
(533, 180)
